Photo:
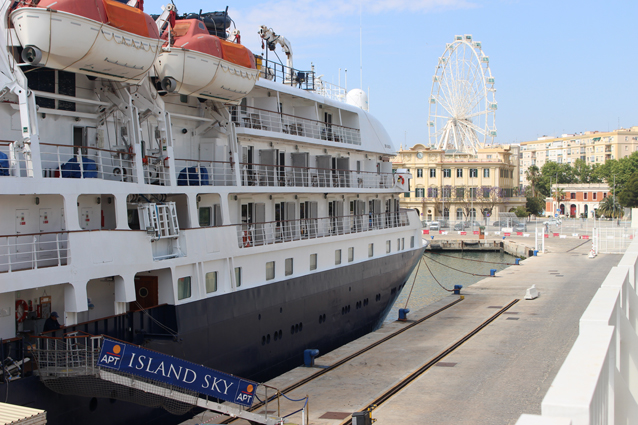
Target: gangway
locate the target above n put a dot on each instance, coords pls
(101, 366)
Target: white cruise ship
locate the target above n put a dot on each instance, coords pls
(162, 185)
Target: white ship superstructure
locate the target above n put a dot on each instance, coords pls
(234, 233)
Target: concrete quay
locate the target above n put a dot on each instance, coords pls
(501, 372)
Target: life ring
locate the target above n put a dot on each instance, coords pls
(22, 309)
(247, 241)
(400, 180)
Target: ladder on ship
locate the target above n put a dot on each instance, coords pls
(69, 363)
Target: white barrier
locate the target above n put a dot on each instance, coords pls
(598, 382)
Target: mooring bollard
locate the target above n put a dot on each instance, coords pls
(517, 261)
(457, 289)
(492, 272)
(403, 314)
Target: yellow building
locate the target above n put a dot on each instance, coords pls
(460, 186)
(593, 147)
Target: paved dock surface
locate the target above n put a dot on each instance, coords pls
(498, 374)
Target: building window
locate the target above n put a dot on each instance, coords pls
(486, 192)
(211, 282)
(447, 192)
(432, 172)
(486, 172)
(238, 276)
(473, 172)
(473, 191)
(313, 261)
(460, 192)
(572, 195)
(594, 196)
(406, 194)
(604, 195)
(388, 247)
(459, 172)
(447, 172)
(270, 270)
(419, 192)
(585, 195)
(419, 172)
(433, 192)
(370, 249)
(337, 257)
(183, 287)
(459, 213)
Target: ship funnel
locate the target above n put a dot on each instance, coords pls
(32, 55)
(169, 84)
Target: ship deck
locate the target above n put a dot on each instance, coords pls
(486, 359)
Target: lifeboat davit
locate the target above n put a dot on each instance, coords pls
(203, 65)
(101, 38)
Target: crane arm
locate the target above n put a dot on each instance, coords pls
(272, 39)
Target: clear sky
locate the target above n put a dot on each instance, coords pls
(561, 66)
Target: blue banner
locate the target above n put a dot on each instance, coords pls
(171, 370)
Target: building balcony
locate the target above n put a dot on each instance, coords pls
(268, 122)
(273, 232)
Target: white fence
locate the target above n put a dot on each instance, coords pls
(598, 383)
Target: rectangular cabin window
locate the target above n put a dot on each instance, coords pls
(398, 244)
(211, 282)
(411, 241)
(388, 247)
(237, 277)
(313, 261)
(351, 254)
(402, 244)
(370, 249)
(289, 268)
(205, 216)
(337, 257)
(183, 287)
(270, 270)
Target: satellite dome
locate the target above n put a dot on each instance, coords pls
(358, 98)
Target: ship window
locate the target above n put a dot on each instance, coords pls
(201, 26)
(288, 266)
(351, 254)
(337, 257)
(412, 242)
(238, 276)
(205, 216)
(388, 247)
(398, 244)
(270, 270)
(370, 249)
(402, 243)
(133, 220)
(211, 282)
(183, 287)
(313, 261)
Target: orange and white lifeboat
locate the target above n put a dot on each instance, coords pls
(203, 65)
(101, 38)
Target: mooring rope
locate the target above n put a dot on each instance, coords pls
(460, 271)
(413, 280)
(433, 277)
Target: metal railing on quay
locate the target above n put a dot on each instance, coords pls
(272, 232)
(261, 119)
(74, 354)
(33, 251)
(66, 161)
(290, 176)
(15, 161)
(191, 172)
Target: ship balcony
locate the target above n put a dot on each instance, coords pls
(33, 251)
(268, 122)
(273, 232)
(15, 159)
(289, 176)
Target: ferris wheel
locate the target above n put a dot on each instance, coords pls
(462, 102)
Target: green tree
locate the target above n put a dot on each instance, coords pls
(610, 207)
(521, 212)
(533, 175)
(584, 173)
(628, 197)
(550, 172)
(535, 205)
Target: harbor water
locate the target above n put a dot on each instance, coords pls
(426, 290)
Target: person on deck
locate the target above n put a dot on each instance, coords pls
(52, 324)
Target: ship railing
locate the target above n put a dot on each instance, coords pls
(66, 161)
(33, 251)
(279, 122)
(291, 176)
(272, 232)
(191, 172)
(277, 72)
(15, 160)
(329, 90)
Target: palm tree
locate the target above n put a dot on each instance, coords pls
(609, 207)
(533, 176)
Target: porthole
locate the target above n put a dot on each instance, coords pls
(143, 293)
(263, 340)
(292, 330)
(280, 333)
(93, 404)
(276, 336)
(300, 327)
(268, 339)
